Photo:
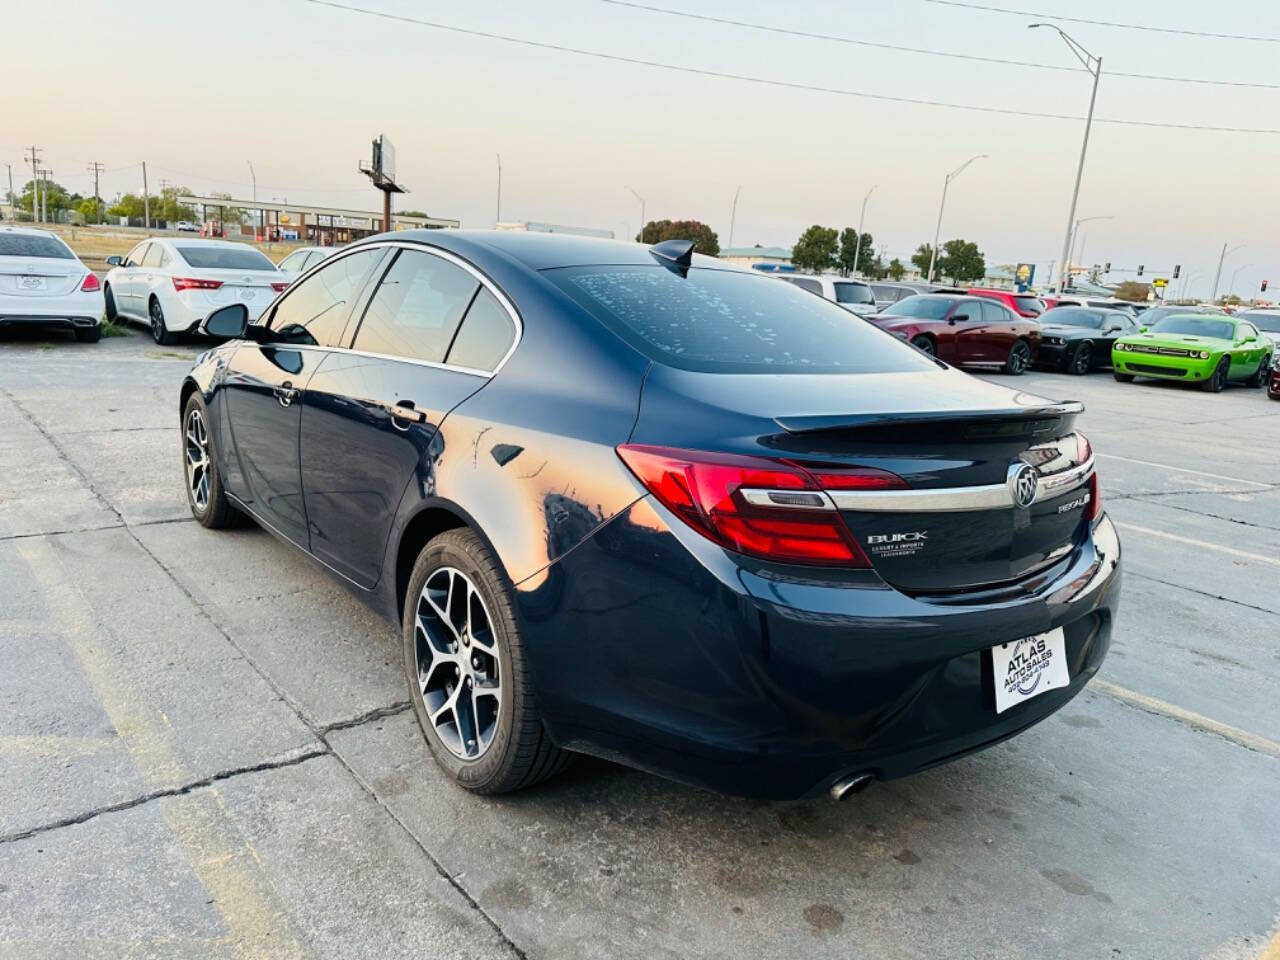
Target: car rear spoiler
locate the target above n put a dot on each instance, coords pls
(974, 424)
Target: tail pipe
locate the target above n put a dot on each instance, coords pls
(846, 787)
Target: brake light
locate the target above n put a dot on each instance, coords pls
(1095, 498)
(797, 524)
(90, 284)
(192, 283)
(1084, 449)
(278, 285)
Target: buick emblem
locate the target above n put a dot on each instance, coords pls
(1023, 482)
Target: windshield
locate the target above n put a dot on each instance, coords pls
(1196, 326)
(1032, 305)
(225, 258)
(721, 321)
(1266, 322)
(921, 307)
(1073, 317)
(854, 293)
(33, 245)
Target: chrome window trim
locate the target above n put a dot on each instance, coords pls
(995, 496)
(427, 248)
(348, 352)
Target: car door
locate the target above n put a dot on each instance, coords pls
(966, 323)
(1000, 327)
(125, 289)
(1248, 352)
(265, 383)
(149, 276)
(371, 418)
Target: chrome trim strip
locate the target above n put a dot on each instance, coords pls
(786, 499)
(995, 496)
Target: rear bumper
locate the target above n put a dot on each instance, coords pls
(657, 649)
(1169, 368)
(47, 322)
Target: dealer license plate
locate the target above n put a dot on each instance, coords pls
(33, 283)
(1028, 667)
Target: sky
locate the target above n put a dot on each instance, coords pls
(199, 91)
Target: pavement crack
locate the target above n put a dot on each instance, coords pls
(368, 717)
(308, 753)
(1203, 593)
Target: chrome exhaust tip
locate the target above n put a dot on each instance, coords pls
(846, 787)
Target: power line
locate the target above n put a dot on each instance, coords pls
(1105, 23)
(784, 84)
(833, 38)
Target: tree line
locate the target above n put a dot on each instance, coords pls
(54, 198)
(822, 249)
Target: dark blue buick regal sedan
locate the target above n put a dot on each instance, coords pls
(633, 502)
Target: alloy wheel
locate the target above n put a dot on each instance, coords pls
(197, 443)
(1080, 359)
(157, 323)
(1019, 357)
(924, 345)
(459, 671)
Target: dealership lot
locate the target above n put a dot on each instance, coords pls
(206, 751)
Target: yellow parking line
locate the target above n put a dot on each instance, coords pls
(222, 860)
(1243, 554)
(1242, 737)
(1198, 473)
(46, 745)
(1272, 950)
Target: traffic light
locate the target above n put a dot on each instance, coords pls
(1139, 269)
(1264, 286)
(1106, 268)
(1177, 269)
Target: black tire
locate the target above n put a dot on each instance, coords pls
(924, 345)
(89, 334)
(109, 299)
(1259, 378)
(1123, 377)
(1081, 360)
(1019, 359)
(1218, 380)
(159, 332)
(520, 752)
(217, 511)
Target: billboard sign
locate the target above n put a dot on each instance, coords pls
(384, 159)
(1023, 275)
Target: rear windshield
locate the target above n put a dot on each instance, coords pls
(1192, 326)
(854, 293)
(921, 307)
(225, 258)
(1266, 322)
(721, 321)
(33, 245)
(1030, 304)
(1073, 317)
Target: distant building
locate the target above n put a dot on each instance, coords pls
(322, 226)
(765, 259)
(533, 226)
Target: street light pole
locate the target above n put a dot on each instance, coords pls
(1074, 233)
(857, 247)
(1094, 66)
(733, 214)
(937, 231)
(1213, 293)
(642, 221)
(498, 216)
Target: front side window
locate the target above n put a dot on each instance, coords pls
(416, 308)
(485, 336)
(854, 293)
(1074, 317)
(294, 262)
(1246, 331)
(315, 310)
(725, 321)
(225, 258)
(135, 256)
(33, 245)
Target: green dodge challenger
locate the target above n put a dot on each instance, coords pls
(1204, 348)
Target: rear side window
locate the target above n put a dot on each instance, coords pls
(721, 321)
(854, 293)
(485, 336)
(152, 259)
(416, 308)
(813, 286)
(315, 310)
(33, 245)
(225, 258)
(993, 312)
(1031, 305)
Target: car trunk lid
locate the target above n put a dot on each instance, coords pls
(39, 276)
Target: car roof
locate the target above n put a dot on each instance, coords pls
(30, 232)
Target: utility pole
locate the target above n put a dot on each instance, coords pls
(733, 215)
(1094, 66)
(96, 169)
(937, 233)
(498, 215)
(146, 200)
(12, 212)
(45, 175)
(857, 247)
(34, 161)
(1213, 293)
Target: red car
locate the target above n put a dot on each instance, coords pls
(1023, 304)
(964, 330)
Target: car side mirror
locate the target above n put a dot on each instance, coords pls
(228, 322)
(114, 261)
(1142, 329)
(957, 317)
(1250, 339)
(1114, 329)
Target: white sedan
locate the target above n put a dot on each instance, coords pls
(300, 261)
(44, 284)
(172, 285)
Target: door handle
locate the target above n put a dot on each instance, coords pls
(405, 411)
(285, 393)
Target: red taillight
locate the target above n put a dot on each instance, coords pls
(192, 283)
(279, 285)
(1084, 450)
(90, 283)
(796, 525)
(1095, 498)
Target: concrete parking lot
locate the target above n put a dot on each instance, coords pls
(205, 749)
